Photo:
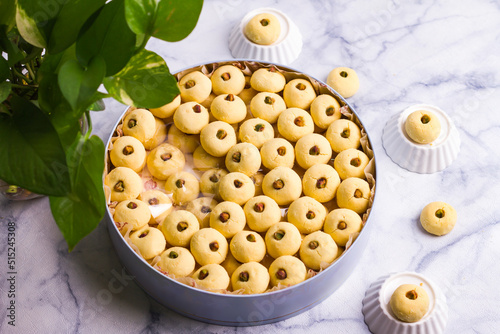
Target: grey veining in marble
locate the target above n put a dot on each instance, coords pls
(445, 53)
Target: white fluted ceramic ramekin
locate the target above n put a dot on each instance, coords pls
(244, 310)
(284, 51)
(421, 158)
(379, 317)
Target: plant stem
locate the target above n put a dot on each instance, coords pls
(30, 71)
(24, 86)
(20, 75)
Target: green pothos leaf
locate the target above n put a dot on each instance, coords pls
(80, 211)
(107, 35)
(79, 84)
(5, 88)
(140, 15)
(176, 19)
(31, 153)
(144, 82)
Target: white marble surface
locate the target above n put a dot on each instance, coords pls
(437, 52)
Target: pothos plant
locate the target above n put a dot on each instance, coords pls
(55, 56)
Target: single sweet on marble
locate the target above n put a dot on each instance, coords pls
(321, 182)
(340, 224)
(159, 136)
(159, 203)
(351, 163)
(177, 261)
(204, 161)
(243, 158)
(409, 303)
(423, 126)
(149, 240)
(438, 218)
(124, 184)
(195, 87)
(228, 79)
(201, 207)
(210, 180)
(287, 270)
(217, 138)
(312, 149)
(179, 227)
(267, 106)
(343, 134)
(236, 187)
(256, 131)
(185, 142)
(191, 117)
(318, 250)
(299, 93)
(268, 80)
(282, 184)
(263, 29)
(133, 212)
(277, 152)
(282, 238)
(295, 123)
(344, 80)
(354, 193)
(325, 109)
(212, 277)
(228, 218)
(307, 214)
(168, 109)
(208, 246)
(247, 246)
(183, 187)
(261, 213)
(165, 160)
(228, 108)
(140, 124)
(251, 277)
(128, 152)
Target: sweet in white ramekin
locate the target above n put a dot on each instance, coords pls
(421, 158)
(284, 51)
(379, 317)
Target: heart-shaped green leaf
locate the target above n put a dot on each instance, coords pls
(77, 84)
(78, 213)
(144, 82)
(8, 13)
(70, 20)
(140, 15)
(108, 36)
(31, 153)
(176, 19)
(4, 69)
(5, 88)
(35, 19)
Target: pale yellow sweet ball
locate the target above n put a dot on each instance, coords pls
(409, 303)
(344, 80)
(422, 126)
(251, 277)
(168, 109)
(263, 29)
(438, 218)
